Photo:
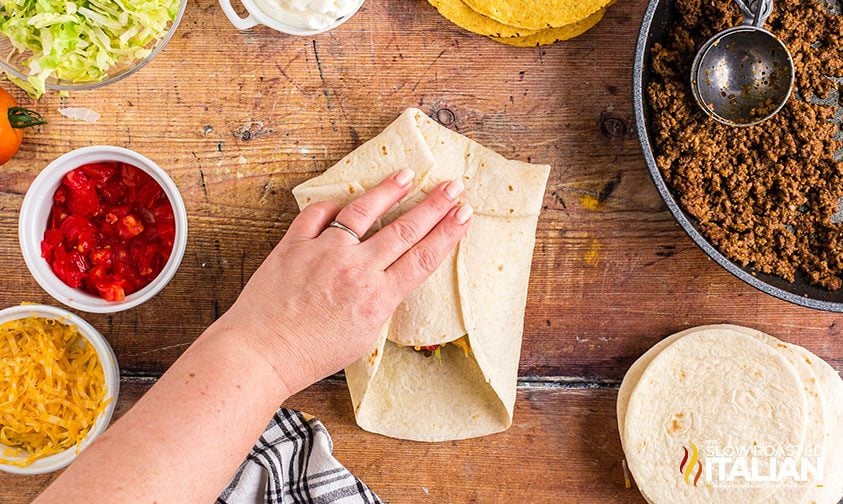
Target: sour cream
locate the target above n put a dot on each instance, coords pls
(311, 14)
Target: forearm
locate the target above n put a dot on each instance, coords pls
(185, 438)
(314, 306)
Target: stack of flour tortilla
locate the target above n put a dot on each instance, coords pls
(477, 294)
(524, 23)
(725, 413)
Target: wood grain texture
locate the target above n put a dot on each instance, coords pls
(562, 442)
(238, 119)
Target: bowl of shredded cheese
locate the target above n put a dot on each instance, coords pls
(59, 382)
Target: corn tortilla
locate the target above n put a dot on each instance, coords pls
(463, 16)
(551, 35)
(537, 14)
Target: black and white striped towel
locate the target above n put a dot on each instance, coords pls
(293, 463)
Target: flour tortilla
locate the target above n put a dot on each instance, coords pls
(831, 388)
(552, 35)
(817, 421)
(400, 145)
(479, 291)
(537, 14)
(416, 397)
(715, 385)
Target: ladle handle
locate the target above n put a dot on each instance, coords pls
(755, 12)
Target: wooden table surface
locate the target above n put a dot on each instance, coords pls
(238, 119)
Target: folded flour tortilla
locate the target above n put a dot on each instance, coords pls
(479, 291)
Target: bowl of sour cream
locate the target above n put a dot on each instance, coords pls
(294, 17)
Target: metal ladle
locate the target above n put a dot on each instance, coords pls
(743, 76)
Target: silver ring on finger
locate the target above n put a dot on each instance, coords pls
(340, 225)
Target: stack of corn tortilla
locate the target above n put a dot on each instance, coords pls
(524, 23)
(726, 413)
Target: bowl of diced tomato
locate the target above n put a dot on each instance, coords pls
(103, 229)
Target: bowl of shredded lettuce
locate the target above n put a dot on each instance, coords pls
(83, 44)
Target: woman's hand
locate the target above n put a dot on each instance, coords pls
(314, 306)
(317, 302)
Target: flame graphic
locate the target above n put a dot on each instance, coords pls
(686, 467)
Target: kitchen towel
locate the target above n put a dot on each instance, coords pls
(293, 463)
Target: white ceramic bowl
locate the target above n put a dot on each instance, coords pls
(112, 383)
(35, 212)
(14, 62)
(258, 17)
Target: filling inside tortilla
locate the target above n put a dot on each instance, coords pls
(436, 350)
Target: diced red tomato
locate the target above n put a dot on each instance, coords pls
(113, 193)
(102, 257)
(60, 197)
(57, 215)
(87, 241)
(149, 193)
(167, 234)
(145, 257)
(73, 226)
(67, 274)
(111, 292)
(151, 233)
(121, 255)
(130, 175)
(127, 273)
(76, 180)
(53, 236)
(163, 212)
(129, 227)
(100, 173)
(98, 275)
(146, 215)
(79, 261)
(47, 250)
(83, 202)
(64, 268)
(111, 230)
(120, 211)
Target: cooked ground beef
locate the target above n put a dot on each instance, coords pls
(764, 195)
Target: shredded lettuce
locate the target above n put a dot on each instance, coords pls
(80, 41)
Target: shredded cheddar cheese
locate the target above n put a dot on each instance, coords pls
(463, 344)
(52, 388)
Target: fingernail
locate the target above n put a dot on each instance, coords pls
(454, 189)
(405, 176)
(463, 214)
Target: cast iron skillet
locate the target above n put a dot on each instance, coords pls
(654, 29)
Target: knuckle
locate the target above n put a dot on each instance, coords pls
(448, 232)
(320, 208)
(425, 259)
(438, 203)
(345, 282)
(358, 210)
(347, 277)
(407, 231)
(317, 211)
(369, 303)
